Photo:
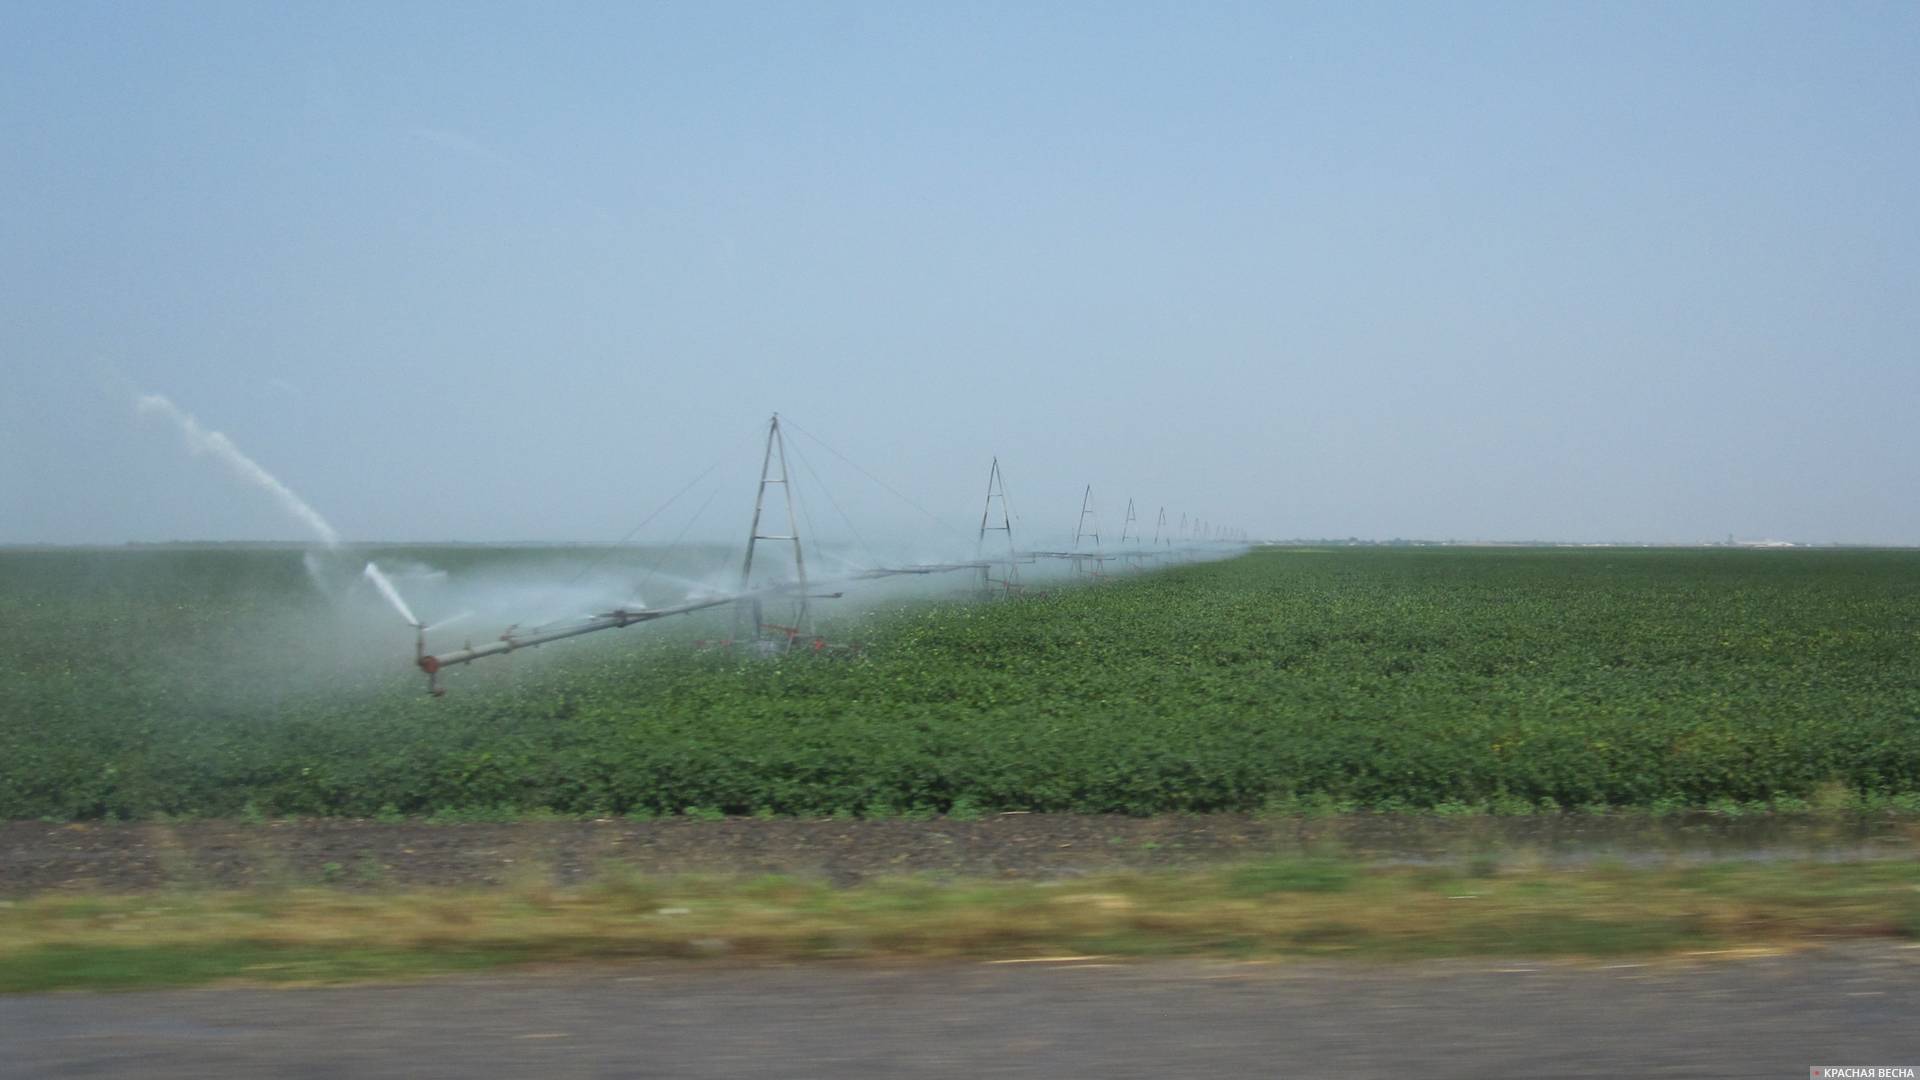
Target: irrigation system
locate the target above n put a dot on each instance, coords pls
(997, 573)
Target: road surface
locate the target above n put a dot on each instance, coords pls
(1770, 1016)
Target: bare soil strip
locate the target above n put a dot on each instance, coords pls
(40, 857)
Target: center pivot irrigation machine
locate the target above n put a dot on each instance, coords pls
(997, 575)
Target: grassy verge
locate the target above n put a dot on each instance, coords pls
(1279, 908)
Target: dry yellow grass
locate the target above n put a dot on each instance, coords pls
(1301, 906)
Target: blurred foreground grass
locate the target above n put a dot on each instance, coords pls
(1303, 906)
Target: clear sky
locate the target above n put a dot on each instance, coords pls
(1539, 270)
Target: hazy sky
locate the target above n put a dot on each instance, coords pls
(1598, 271)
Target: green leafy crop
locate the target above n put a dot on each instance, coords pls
(213, 682)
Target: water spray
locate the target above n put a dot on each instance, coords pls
(202, 441)
(385, 585)
(448, 621)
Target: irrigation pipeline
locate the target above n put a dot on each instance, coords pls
(799, 590)
(508, 642)
(434, 663)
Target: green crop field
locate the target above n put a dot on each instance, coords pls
(217, 681)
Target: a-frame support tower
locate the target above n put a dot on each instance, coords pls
(750, 622)
(1082, 532)
(1130, 534)
(1009, 580)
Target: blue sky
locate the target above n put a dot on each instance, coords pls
(1597, 271)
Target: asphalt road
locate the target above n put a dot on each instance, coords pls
(1710, 1016)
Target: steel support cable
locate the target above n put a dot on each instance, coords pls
(813, 533)
(1006, 500)
(821, 556)
(835, 503)
(675, 542)
(796, 498)
(631, 533)
(888, 488)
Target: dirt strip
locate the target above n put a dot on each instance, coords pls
(40, 857)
